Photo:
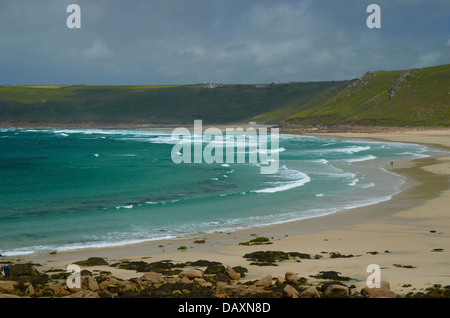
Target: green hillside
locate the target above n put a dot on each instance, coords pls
(21, 105)
(417, 97)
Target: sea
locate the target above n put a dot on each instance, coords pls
(72, 189)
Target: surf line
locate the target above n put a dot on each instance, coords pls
(235, 143)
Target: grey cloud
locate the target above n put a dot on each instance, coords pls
(233, 41)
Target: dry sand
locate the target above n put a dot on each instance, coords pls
(404, 230)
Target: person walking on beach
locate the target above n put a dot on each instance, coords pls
(6, 269)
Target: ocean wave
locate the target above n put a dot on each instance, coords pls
(414, 154)
(299, 177)
(354, 182)
(83, 245)
(125, 207)
(365, 158)
(348, 150)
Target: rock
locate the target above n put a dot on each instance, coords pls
(126, 286)
(23, 273)
(311, 292)
(83, 294)
(336, 291)
(108, 282)
(280, 280)
(265, 281)
(87, 282)
(382, 293)
(206, 284)
(232, 274)
(237, 290)
(274, 256)
(7, 286)
(384, 285)
(10, 296)
(331, 275)
(152, 277)
(240, 270)
(437, 293)
(172, 280)
(185, 280)
(29, 289)
(215, 269)
(64, 293)
(199, 280)
(92, 261)
(292, 278)
(191, 274)
(56, 288)
(290, 291)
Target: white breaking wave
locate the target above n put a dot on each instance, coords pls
(354, 182)
(418, 155)
(365, 158)
(349, 150)
(324, 161)
(124, 207)
(300, 180)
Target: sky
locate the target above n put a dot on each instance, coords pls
(151, 42)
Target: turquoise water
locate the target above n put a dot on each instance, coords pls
(72, 189)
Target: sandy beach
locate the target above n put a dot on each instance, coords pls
(412, 231)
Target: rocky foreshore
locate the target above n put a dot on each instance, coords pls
(199, 279)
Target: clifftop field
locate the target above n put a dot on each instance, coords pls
(417, 97)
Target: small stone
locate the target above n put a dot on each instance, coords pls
(384, 285)
(152, 277)
(64, 292)
(336, 291)
(265, 281)
(311, 292)
(87, 282)
(191, 274)
(185, 280)
(290, 291)
(29, 289)
(292, 278)
(7, 286)
(280, 280)
(232, 274)
(382, 293)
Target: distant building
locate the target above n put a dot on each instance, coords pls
(210, 85)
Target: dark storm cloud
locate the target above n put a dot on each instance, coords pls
(190, 41)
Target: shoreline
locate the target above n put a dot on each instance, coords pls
(400, 225)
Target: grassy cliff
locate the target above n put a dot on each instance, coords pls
(21, 105)
(416, 97)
